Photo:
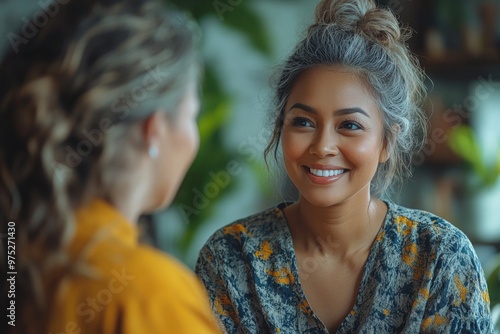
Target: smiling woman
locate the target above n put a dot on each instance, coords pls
(341, 259)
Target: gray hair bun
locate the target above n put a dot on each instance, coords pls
(362, 17)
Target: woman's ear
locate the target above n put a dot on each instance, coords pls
(384, 154)
(388, 144)
(152, 129)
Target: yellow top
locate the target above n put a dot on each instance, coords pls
(122, 287)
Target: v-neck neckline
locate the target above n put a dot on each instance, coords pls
(297, 286)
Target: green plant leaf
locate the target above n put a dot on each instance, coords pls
(464, 143)
(209, 123)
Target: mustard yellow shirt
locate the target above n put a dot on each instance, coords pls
(120, 286)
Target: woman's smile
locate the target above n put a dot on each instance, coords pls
(324, 174)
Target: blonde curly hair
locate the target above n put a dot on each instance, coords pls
(68, 99)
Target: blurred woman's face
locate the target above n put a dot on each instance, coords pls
(179, 149)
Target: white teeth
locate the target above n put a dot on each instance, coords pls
(326, 173)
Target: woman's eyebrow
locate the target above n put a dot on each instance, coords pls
(303, 107)
(340, 112)
(349, 111)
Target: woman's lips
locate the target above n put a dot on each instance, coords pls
(325, 175)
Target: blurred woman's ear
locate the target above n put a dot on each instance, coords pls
(153, 131)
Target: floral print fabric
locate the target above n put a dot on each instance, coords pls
(422, 276)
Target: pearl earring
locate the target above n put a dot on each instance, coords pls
(153, 152)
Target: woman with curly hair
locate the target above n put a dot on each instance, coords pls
(98, 127)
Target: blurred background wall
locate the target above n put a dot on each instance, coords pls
(456, 176)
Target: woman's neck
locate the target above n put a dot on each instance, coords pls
(340, 230)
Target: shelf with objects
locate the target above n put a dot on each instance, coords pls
(457, 39)
(457, 174)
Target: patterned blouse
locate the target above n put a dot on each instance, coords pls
(421, 276)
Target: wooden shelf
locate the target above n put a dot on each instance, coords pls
(456, 67)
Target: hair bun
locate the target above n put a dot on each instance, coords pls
(360, 16)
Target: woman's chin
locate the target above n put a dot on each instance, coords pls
(162, 203)
(320, 201)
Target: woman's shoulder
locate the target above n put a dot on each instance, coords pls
(107, 245)
(162, 268)
(424, 227)
(420, 218)
(141, 271)
(154, 290)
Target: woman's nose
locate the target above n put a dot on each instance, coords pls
(325, 143)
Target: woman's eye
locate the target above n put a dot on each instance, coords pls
(350, 126)
(301, 122)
